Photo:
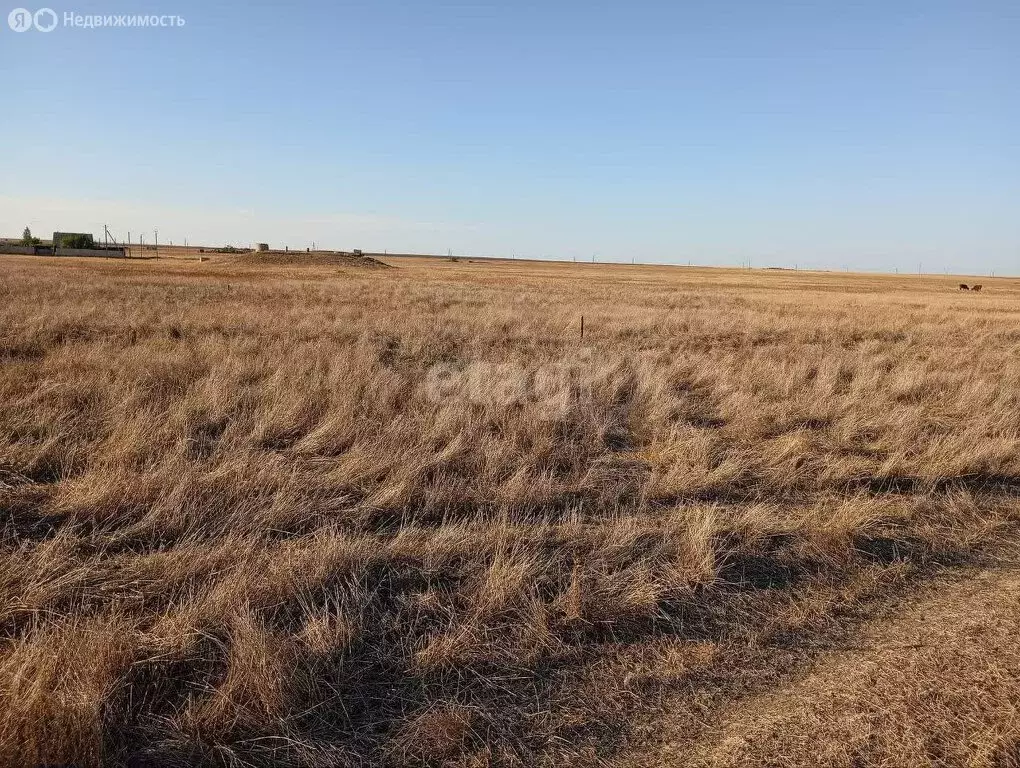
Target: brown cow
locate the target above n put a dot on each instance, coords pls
(976, 288)
(964, 287)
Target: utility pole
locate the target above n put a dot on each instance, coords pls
(156, 233)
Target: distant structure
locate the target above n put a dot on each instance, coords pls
(66, 244)
(262, 247)
(73, 240)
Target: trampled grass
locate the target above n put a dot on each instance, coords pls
(317, 516)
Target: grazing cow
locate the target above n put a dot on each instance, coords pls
(976, 288)
(964, 287)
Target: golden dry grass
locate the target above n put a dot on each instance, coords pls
(317, 516)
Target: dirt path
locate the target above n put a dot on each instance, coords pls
(937, 683)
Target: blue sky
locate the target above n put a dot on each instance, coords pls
(866, 135)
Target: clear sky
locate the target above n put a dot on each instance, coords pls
(868, 135)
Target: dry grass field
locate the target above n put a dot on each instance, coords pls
(324, 515)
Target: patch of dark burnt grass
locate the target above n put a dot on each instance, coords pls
(205, 438)
(23, 514)
(765, 562)
(890, 548)
(48, 470)
(156, 690)
(22, 352)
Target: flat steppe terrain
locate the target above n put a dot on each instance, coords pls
(326, 513)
